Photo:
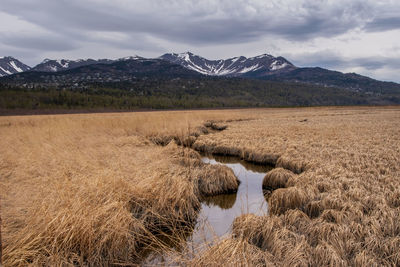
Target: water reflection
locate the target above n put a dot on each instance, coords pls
(225, 201)
(218, 212)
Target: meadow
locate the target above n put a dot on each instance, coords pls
(100, 189)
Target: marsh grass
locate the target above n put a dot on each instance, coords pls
(217, 179)
(93, 189)
(96, 190)
(276, 178)
(340, 203)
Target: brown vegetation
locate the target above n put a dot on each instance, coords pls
(92, 189)
(342, 206)
(277, 178)
(216, 179)
(95, 189)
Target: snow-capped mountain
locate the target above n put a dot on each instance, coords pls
(54, 65)
(262, 65)
(10, 65)
(259, 66)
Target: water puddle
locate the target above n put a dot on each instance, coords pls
(218, 212)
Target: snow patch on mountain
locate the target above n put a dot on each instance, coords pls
(277, 65)
(248, 69)
(63, 63)
(198, 69)
(14, 65)
(6, 71)
(134, 57)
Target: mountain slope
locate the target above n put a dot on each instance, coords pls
(54, 65)
(238, 66)
(135, 67)
(324, 77)
(10, 65)
(279, 69)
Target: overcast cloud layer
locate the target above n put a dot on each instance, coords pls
(360, 36)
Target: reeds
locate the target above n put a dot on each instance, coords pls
(96, 190)
(339, 205)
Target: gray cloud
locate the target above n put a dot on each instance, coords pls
(332, 60)
(40, 42)
(200, 23)
(376, 62)
(383, 24)
(326, 59)
(153, 27)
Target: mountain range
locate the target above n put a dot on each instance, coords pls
(265, 67)
(183, 81)
(258, 66)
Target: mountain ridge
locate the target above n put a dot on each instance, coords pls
(55, 65)
(136, 82)
(264, 67)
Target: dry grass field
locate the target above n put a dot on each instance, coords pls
(96, 189)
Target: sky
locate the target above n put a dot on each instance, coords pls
(361, 36)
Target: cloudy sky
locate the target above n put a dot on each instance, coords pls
(360, 36)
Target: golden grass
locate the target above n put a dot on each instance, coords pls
(277, 178)
(218, 179)
(95, 189)
(284, 199)
(235, 253)
(342, 205)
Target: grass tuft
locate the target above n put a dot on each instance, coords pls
(284, 199)
(276, 178)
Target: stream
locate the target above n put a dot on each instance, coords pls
(218, 212)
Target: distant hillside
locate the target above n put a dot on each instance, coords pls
(53, 65)
(179, 93)
(324, 77)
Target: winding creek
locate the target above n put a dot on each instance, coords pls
(218, 212)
